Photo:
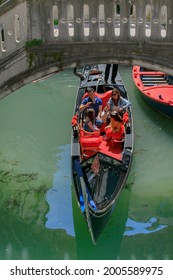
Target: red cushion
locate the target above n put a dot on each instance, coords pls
(105, 97)
(91, 141)
(84, 133)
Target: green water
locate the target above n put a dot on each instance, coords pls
(39, 217)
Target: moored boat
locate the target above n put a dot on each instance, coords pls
(156, 88)
(100, 167)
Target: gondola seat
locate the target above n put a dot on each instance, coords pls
(89, 141)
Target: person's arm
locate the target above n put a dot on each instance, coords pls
(124, 104)
(99, 111)
(84, 105)
(93, 128)
(108, 106)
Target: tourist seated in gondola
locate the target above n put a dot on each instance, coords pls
(90, 138)
(115, 129)
(92, 101)
(117, 103)
(89, 120)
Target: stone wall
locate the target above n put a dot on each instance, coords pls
(63, 33)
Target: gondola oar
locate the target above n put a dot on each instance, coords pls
(83, 198)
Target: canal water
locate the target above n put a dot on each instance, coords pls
(39, 217)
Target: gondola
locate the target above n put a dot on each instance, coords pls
(156, 88)
(100, 168)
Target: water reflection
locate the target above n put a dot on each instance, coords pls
(133, 227)
(59, 196)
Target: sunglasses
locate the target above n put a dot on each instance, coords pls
(114, 93)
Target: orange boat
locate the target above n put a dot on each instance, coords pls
(156, 88)
(100, 167)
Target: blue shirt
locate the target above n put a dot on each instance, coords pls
(95, 105)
